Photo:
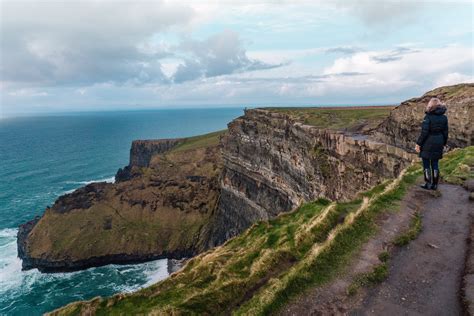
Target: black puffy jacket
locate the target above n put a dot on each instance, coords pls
(434, 134)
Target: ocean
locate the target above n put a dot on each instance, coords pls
(44, 157)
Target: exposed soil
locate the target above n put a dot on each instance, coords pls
(424, 276)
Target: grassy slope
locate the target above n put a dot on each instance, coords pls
(258, 271)
(456, 91)
(200, 141)
(338, 118)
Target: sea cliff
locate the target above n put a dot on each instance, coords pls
(159, 207)
(274, 163)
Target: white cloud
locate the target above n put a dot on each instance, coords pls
(382, 13)
(416, 66)
(163, 53)
(284, 56)
(84, 42)
(453, 78)
(28, 93)
(220, 54)
(357, 79)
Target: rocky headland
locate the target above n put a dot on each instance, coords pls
(159, 207)
(180, 197)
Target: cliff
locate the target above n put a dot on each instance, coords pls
(141, 153)
(277, 158)
(273, 163)
(160, 209)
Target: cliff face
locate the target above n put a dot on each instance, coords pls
(403, 125)
(272, 164)
(142, 151)
(141, 154)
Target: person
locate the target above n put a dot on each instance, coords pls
(430, 144)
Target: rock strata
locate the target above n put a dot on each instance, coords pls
(272, 164)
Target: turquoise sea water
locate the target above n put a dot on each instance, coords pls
(44, 157)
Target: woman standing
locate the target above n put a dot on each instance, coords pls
(430, 144)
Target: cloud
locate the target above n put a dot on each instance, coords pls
(343, 50)
(355, 79)
(104, 54)
(393, 55)
(81, 43)
(220, 54)
(381, 13)
(84, 42)
(28, 93)
(453, 78)
(416, 63)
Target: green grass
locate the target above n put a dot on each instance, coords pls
(378, 274)
(458, 165)
(200, 141)
(384, 256)
(259, 271)
(380, 271)
(337, 118)
(413, 231)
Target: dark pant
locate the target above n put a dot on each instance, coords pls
(430, 163)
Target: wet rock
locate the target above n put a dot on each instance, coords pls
(176, 264)
(23, 232)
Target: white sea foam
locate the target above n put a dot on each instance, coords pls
(108, 180)
(158, 271)
(10, 264)
(50, 288)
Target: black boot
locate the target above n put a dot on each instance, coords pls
(435, 177)
(427, 175)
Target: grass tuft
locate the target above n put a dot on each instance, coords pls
(384, 256)
(378, 274)
(413, 231)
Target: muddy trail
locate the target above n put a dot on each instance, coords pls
(425, 277)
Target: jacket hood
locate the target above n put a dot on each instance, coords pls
(440, 110)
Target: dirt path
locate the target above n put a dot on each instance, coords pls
(424, 276)
(423, 279)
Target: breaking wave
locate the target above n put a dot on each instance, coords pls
(33, 293)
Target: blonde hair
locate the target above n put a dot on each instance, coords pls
(433, 104)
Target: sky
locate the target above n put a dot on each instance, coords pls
(85, 55)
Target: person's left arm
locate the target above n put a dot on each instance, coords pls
(425, 130)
